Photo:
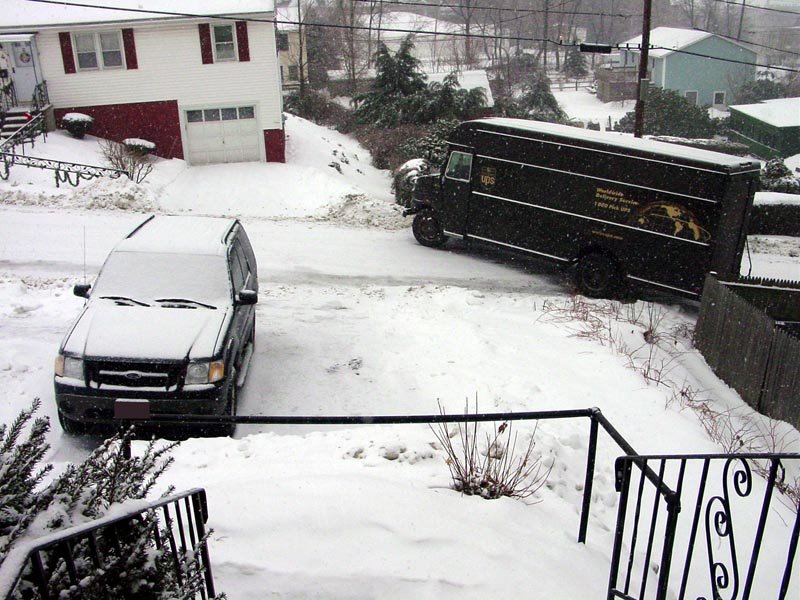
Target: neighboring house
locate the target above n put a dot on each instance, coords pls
(678, 61)
(292, 54)
(770, 128)
(434, 45)
(202, 88)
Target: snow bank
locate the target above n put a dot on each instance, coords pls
(98, 194)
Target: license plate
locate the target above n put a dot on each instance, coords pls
(125, 408)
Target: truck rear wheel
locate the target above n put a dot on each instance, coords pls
(427, 229)
(597, 276)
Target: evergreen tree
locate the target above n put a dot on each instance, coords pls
(537, 101)
(666, 112)
(132, 565)
(763, 88)
(575, 62)
(396, 78)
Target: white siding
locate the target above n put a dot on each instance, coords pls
(170, 68)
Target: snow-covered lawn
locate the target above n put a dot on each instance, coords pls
(355, 318)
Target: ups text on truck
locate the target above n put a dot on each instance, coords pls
(616, 208)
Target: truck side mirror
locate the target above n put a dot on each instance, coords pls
(82, 289)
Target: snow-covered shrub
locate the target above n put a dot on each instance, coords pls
(77, 123)
(493, 469)
(137, 166)
(138, 146)
(32, 508)
(404, 178)
(776, 177)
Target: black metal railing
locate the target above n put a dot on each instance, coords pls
(596, 421)
(25, 135)
(8, 96)
(65, 172)
(40, 97)
(674, 536)
(178, 530)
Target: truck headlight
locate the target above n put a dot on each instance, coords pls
(69, 366)
(205, 372)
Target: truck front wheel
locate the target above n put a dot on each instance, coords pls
(427, 229)
(597, 276)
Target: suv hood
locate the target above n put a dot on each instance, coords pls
(147, 332)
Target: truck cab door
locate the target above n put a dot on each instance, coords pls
(456, 188)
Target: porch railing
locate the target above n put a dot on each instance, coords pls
(178, 530)
(8, 97)
(40, 97)
(691, 533)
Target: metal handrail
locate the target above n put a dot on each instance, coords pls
(596, 417)
(712, 513)
(40, 97)
(65, 172)
(13, 567)
(8, 96)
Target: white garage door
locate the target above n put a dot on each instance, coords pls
(223, 135)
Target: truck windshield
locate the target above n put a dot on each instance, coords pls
(459, 166)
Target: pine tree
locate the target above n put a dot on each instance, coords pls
(666, 112)
(575, 62)
(82, 493)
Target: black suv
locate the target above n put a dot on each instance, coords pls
(168, 327)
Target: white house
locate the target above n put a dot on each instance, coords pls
(199, 79)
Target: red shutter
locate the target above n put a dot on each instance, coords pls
(242, 42)
(206, 53)
(129, 44)
(65, 40)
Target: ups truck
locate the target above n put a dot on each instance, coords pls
(619, 210)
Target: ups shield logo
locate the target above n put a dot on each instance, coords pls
(488, 176)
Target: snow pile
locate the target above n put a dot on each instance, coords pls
(98, 194)
(359, 211)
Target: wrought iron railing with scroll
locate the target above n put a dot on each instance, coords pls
(675, 533)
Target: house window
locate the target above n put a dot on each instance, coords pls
(691, 96)
(224, 42)
(294, 73)
(719, 97)
(283, 42)
(99, 50)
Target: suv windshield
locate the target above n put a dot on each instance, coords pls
(144, 277)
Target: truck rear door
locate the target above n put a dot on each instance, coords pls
(456, 188)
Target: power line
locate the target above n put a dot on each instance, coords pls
(502, 9)
(755, 7)
(750, 43)
(384, 29)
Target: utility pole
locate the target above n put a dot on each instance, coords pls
(741, 20)
(643, 81)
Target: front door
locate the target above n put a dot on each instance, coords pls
(456, 188)
(22, 58)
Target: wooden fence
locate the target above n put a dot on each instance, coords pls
(747, 333)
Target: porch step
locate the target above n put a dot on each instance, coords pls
(12, 121)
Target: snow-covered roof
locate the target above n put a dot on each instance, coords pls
(406, 22)
(468, 80)
(781, 112)
(621, 140)
(18, 14)
(286, 15)
(668, 39)
(184, 234)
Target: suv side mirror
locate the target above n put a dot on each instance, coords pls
(246, 297)
(82, 289)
